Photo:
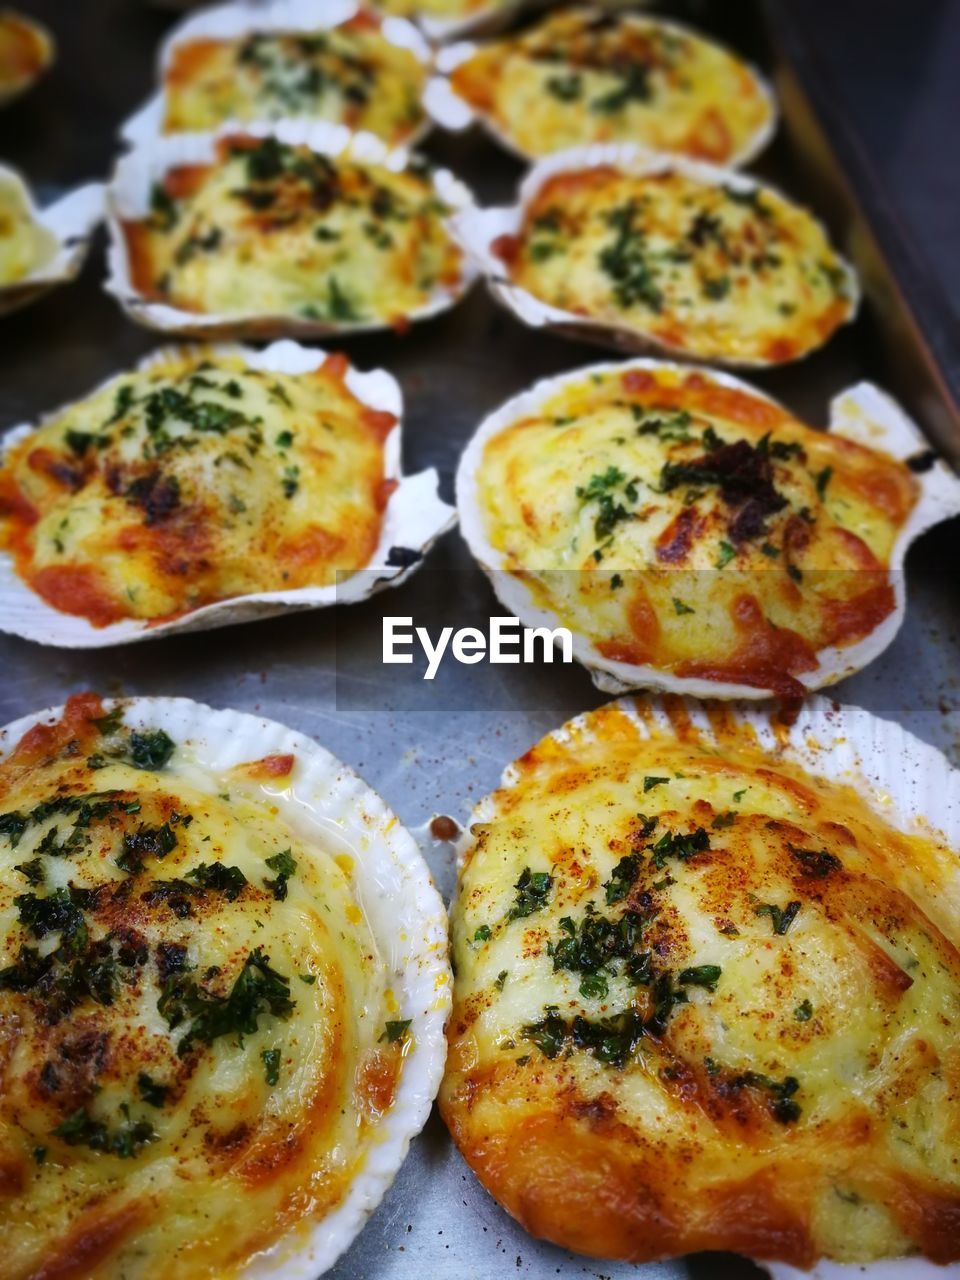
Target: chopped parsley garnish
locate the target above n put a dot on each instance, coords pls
(230, 881)
(566, 88)
(627, 262)
(725, 554)
(804, 1011)
(822, 480)
(816, 863)
(716, 288)
(701, 975)
(600, 490)
(723, 820)
(155, 1095)
(673, 844)
(151, 750)
(258, 990)
(396, 1030)
(285, 865)
(482, 934)
(624, 874)
(500, 979)
(781, 917)
(680, 608)
(634, 87)
(650, 781)
(80, 1129)
(533, 890)
(32, 871)
(271, 1065)
(155, 842)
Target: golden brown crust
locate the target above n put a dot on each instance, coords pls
(759, 1069)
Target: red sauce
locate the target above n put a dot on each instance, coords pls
(78, 590)
(506, 248)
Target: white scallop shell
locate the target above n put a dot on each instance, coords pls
(483, 21)
(71, 220)
(414, 518)
(453, 112)
(331, 804)
(863, 413)
(227, 21)
(477, 229)
(128, 197)
(908, 783)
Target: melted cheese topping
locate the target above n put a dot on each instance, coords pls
(270, 229)
(348, 74)
(705, 1000)
(693, 527)
(698, 267)
(580, 77)
(25, 245)
(193, 481)
(24, 52)
(192, 1010)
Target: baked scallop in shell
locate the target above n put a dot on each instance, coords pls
(707, 990)
(583, 75)
(694, 535)
(614, 244)
(212, 484)
(343, 63)
(291, 228)
(223, 984)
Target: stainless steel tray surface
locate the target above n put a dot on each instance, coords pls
(449, 749)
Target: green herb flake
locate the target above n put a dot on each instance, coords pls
(804, 1011)
(701, 975)
(680, 608)
(285, 865)
(781, 917)
(533, 890)
(396, 1030)
(725, 554)
(155, 1095)
(271, 1066)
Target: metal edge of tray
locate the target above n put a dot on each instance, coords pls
(913, 321)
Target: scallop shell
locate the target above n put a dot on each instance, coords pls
(392, 884)
(909, 783)
(230, 20)
(128, 197)
(415, 517)
(863, 413)
(71, 220)
(477, 229)
(446, 105)
(487, 20)
(46, 48)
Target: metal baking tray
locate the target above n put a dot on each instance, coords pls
(437, 748)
